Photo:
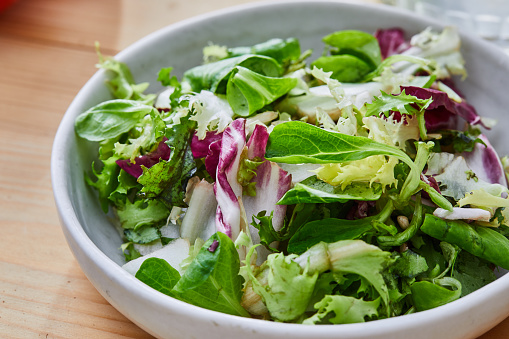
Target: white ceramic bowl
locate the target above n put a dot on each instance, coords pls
(95, 242)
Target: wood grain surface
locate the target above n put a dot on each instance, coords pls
(46, 55)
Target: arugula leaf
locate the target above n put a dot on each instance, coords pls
(212, 279)
(314, 190)
(158, 274)
(410, 265)
(248, 91)
(403, 103)
(110, 119)
(214, 76)
(472, 272)
(360, 44)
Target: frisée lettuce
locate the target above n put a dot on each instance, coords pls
(353, 187)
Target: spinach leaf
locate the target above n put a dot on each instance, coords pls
(212, 279)
(296, 142)
(248, 91)
(158, 274)
(344, 68)
(472, 272)
(331, 230)
(314, 190)
(360, 44)
(328, 230)
(480, 241)
(213, 76)
(110, 119)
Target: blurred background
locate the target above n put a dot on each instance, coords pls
(46, 55)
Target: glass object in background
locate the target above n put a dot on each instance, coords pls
(488, 19)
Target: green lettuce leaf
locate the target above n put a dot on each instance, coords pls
(122, 84)
(346, 310)
(289, 287)
(158, 274)
(214, 76)
(248, 91)
(142, 212)
(212, 279)
(344, 68)
(353, 42)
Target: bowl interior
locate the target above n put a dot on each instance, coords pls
(92, 234)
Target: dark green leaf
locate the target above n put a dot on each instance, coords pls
(143, 235)
(167, 180)
(344, 68)
(212, 279)
(282, 50)
(360, 44)
(299, 142)
(328, 230)
(248, 91)
(213, 76)
(427, 295)
(158, 274)
(314, 190)
(110, 119)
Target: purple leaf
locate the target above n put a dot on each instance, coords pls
(485, 163)
(257, 142)
(200, 148)
(392, 41)
(442, 111)
(227, 188)
(208, 148)
(148, 160)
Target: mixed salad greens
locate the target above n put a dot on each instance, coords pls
(353, 187)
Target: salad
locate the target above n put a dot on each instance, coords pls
(268, 183)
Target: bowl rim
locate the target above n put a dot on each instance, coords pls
(76, 236)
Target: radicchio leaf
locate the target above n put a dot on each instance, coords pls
(227, 188)
(208, 148)
(392, 41)
(485, 162)
(442, 112)
(148, 160)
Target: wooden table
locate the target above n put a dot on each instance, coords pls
(46, 55)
